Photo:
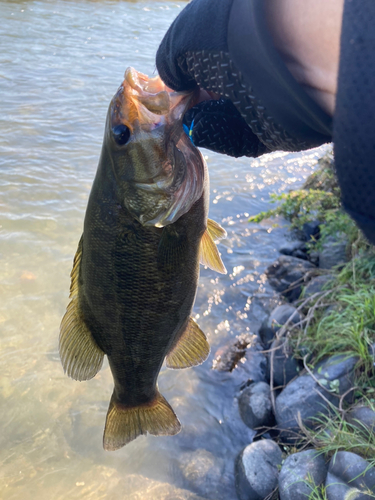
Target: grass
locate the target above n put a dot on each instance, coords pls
(342, 319)
(333, 434)
(338, 320)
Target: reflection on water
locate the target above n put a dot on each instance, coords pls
(60, 64)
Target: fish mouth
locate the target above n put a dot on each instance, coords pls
(146, 103)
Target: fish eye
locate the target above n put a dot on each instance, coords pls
(121, 134)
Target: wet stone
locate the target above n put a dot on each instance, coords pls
(362, 417)
(300, 473)
(302, 398)
(255, 406)
(316, 285)
(287, 274)
(256, 470)
(338, 371)
(314, 257)
(350, 473)
(294, 248)
(311, 230)
(333, 251)
(278, 317)
(254, 365)
(202, 472)
(285, 366)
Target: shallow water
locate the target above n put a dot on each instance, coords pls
(60, 64)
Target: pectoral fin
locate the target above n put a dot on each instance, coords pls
(80, 355)
(209, 254)
(191, 349)
(172, 247)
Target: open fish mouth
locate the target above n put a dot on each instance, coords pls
(147, 102)
(165, 173)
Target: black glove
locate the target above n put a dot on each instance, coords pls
(224, 47)
(219, 126)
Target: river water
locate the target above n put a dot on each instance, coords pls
(60, 64)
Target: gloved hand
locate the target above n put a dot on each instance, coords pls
(224, 47)
(218, 126)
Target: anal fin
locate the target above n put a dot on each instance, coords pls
(216, 231)
(209, 254)
(124, 424)
(191, 349)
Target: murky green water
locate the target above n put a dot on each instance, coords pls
(60, 64)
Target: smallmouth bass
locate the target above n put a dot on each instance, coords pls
(135, 273)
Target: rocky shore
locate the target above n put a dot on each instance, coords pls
(310, 396)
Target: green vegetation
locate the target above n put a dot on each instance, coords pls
(335, 434)
(339, 320)
(300, 206)
(319, 199)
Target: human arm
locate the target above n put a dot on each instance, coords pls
(229, 50)
(296, 74)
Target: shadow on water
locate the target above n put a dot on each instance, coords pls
(60, 64)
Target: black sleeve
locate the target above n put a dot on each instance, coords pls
(225, 47)
(354, 120)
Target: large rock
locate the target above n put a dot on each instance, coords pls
(278, 317)
(295, 248)
(311, 230)
(256, 470)
(254, 366)
(286, 275)
(255, 406)
(285, 366)
(333, 252)
(202, 472)
(349, 473)
(362, 417)
(300, 473)
(302, 398)
(316, 285)
(338, 371)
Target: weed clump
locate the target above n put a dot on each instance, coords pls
(318, 200)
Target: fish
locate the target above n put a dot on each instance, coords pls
(135, 273)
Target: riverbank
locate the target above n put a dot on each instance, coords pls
(318, 411)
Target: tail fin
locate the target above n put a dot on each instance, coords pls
(124, 424)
